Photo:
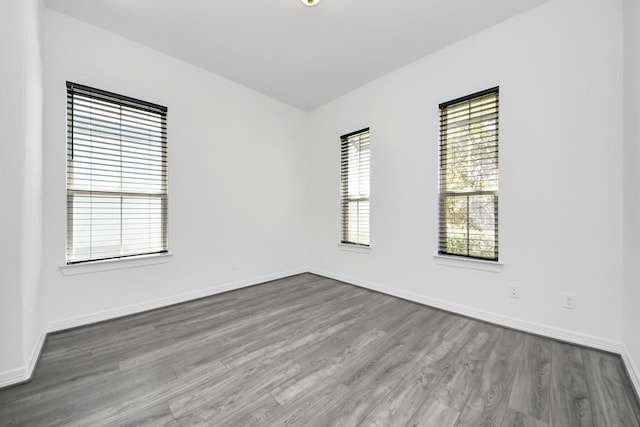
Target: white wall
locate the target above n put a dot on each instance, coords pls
(559, 71)
(236, 168)
(11, 171)
(632, 182)
(21, 310)
(32, 292)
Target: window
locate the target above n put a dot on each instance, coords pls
(116, 176)
(354, 171)
(469, 176)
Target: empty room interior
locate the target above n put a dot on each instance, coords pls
(336, 212)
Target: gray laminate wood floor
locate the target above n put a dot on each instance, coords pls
(310, 351)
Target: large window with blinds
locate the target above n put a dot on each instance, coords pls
(116, 176)
(469, 176)
(355, 149)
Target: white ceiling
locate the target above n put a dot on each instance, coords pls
(303, 56)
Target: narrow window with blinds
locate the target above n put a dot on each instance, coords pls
(354, 187)
(116, 176)
(469, 176)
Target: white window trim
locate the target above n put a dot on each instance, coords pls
(114, 264)
(349, 247)
(469, 263)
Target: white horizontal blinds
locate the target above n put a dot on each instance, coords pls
(116, 176)
(469, 176)
(354, 171)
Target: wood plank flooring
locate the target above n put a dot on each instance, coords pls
(310, 351)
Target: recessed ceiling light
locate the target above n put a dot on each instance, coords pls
(310, 2)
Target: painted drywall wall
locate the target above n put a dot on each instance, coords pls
(236, 186)
(560, 174)
(32, 291)
(12, 103)
(21, 310)
(631, 15)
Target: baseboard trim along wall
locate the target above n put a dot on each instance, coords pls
(74, 322)
(498, 319)
(20, 375)
(632, 370)
(506, 321)
(23, 374)
(13, 376)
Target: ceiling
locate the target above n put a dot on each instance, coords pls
(303, 56)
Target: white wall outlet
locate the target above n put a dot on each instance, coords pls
(235, 264)
(514, 291)
(569, 301)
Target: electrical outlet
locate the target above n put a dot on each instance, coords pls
(514, 291)
(569, 301)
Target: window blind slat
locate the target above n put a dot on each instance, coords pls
(354, 187)
(468, 176)
(116, 176)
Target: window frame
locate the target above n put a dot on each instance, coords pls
(346, 220)
(76, 95)
(445, 193)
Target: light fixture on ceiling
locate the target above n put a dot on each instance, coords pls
(310, 2)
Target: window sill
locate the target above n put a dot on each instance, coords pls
(114, 264)
(473, 264)
(354, 248)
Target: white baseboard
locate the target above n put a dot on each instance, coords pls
(35, 355)
(632, 370)
(24, 373)
(498, 319)
(20, 375)
(13, 376)
(100, 316)
(506, 321)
